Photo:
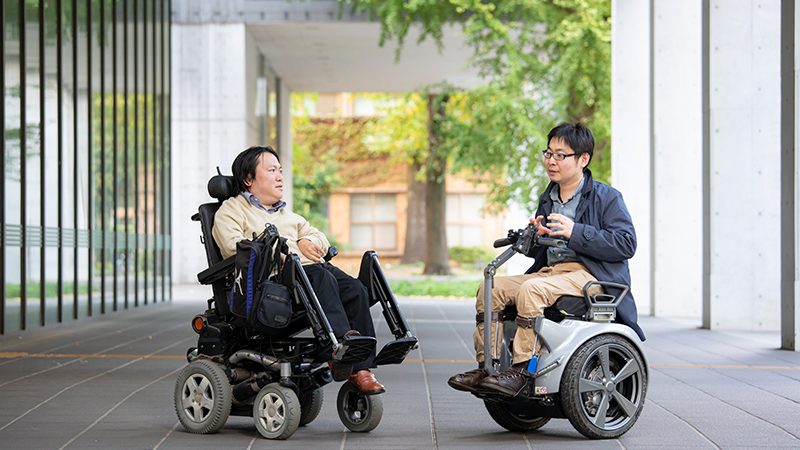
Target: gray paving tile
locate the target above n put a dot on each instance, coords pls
(119, 402)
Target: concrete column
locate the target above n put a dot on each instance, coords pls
(678, 142)
(630, 131)
(743, 166)
(790, 301)
(212, 121)
(284, 137)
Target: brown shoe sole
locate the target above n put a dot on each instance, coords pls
(501, 389)
(375, 392)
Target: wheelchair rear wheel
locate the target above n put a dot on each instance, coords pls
(514, 417)
(276, 411)
(202, 397)
(603, 387)
(358, 412)
(310, 406)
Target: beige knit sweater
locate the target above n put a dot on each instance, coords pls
(237, 219)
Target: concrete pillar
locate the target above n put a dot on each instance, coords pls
(213, 85)
(678, 146)
(284, 137)
(790, 300)
(743, 251)
(630, 131)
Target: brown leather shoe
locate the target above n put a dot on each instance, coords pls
(365, 381)
(468, 381)
(508, 382)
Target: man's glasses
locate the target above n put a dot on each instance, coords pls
(557, 156)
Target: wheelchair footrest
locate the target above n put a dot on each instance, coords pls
(355, 349)
(396, 351)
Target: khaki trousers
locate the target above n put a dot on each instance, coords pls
(531, 293)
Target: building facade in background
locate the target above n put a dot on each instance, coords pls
(86, 159)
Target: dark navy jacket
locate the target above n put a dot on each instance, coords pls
(603, 237)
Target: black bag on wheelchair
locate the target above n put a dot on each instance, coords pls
(266, 306)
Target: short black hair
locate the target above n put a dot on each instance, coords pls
(579, 138)
(246, 163)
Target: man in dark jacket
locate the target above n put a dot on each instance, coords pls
(592, 218)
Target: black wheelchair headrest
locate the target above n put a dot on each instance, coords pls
(221, 187)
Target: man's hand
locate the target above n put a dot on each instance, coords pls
(311, 250)
(541, 230)
(562, 223)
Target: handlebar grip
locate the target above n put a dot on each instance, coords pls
(551, 242)
(502, 242)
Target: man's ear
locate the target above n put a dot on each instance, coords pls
(584, 160)
(248, 181)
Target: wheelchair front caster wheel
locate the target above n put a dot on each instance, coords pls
(276, 411)
(202, 397)
(359, 413)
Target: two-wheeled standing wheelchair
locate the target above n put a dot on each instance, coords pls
(277, 379)
(591, 369)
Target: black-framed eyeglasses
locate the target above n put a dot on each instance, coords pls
(557, 156)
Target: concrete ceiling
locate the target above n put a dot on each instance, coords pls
(345, 57)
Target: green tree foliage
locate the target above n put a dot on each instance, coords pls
(315, 169)
(543, 61)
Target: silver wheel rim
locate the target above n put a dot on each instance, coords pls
(356, 407)
(272, 412)
(198, 398)
(610, 387)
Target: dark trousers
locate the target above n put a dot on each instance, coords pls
(345, 302)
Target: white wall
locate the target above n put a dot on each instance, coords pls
(744, 217)
(678, 130)
(630, 130)
(745, 164)
(211, 124)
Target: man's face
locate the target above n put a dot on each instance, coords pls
(267, 185)
(569, 170)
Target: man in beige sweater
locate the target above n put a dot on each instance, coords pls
(258, 177)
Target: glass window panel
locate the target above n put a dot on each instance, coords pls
(12, 129)
(471, 235)
(363, 106)
(361, 236)
(472, 210)
(385, 237)
(453, 235)
(452, 207)
(360, 208)
(385, 208)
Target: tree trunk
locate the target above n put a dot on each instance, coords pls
(415, 217)
(437, 257)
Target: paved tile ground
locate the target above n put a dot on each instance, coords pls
(107, 383)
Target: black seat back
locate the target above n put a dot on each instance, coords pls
(220, 187)
(206, 214)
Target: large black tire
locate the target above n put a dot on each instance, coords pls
(310, 406)
(604, 386)
(276, 411)
(202, 397)
(513, 417)
(358, 412)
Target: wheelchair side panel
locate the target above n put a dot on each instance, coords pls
(565, 337)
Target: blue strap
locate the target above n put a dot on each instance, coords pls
(250, 279)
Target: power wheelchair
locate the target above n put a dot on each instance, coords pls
(277, 379)
(591, 369)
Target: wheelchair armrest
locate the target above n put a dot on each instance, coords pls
(602, 306)
(218, 271)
